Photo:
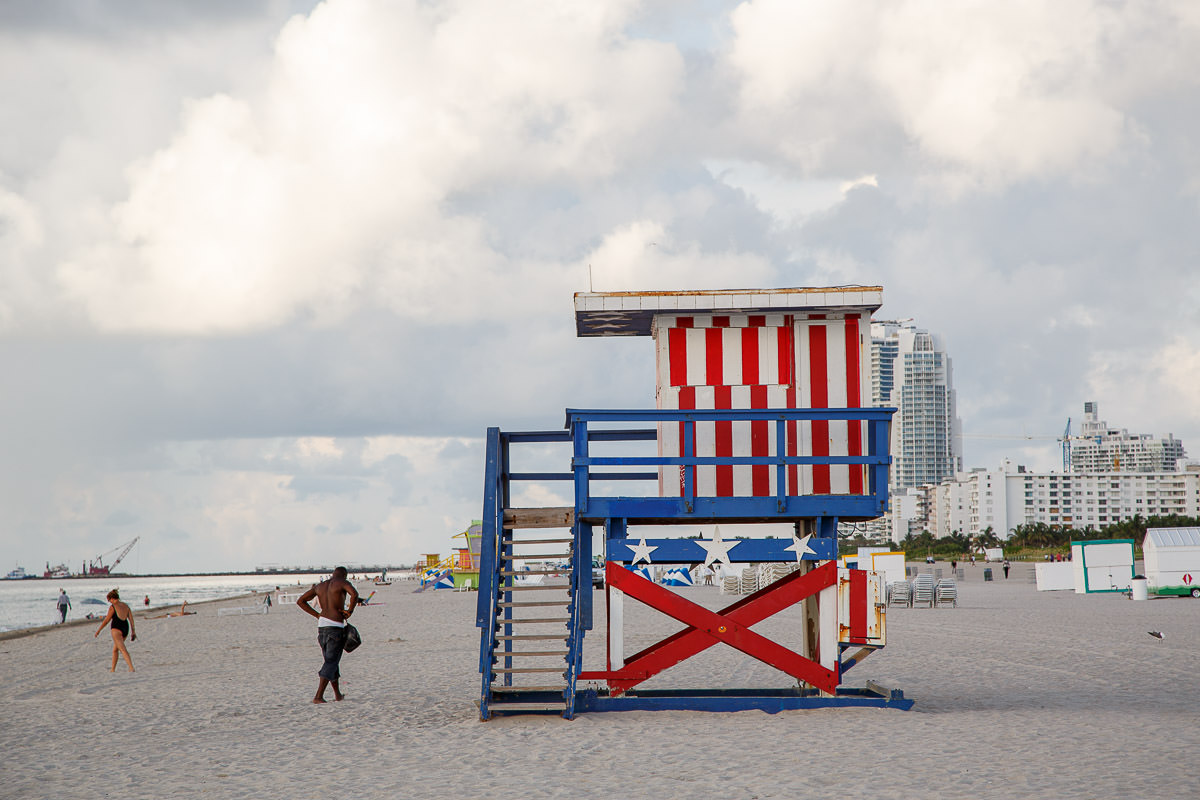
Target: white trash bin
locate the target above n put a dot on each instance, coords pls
(1140, 592)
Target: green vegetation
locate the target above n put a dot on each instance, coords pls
(1037, 540)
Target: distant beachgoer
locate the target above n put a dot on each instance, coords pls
(64, 603)
(146, 600)
(182, 612)
(121, 616)
(972, 559)
(1006, 566)
(332, 596)
(953, 565)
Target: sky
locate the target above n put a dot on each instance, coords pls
(270, 269)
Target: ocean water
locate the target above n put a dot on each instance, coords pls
(26, 604)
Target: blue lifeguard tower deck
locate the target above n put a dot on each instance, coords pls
(805, 466)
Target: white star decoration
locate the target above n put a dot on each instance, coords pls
(800, 547)
(716, 548)
(641, 551)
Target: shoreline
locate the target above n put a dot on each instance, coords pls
(141, 614)
(137, 575)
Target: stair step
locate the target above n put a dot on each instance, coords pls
(532, 603)
(507, 572)
(555, 517)
(537, 541)
(546, 706)
(535, 620)
(535, 557)
(504, 689)
(562, 587)
(527, 653)
(514, 670)
(528, 637)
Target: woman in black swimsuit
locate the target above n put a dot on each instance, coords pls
(121, 618)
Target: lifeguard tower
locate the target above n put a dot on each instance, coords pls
(459, 570)
(760, 419)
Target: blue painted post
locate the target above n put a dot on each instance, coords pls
(827, 527)
(579, 441)
(505, 550)
(689, 473)
(583, 558)
(493, 530)
(614, 528)
(781, 470)
(879, 442)
(493, 527)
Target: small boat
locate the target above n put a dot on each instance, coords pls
(61, 571)
(16, 574)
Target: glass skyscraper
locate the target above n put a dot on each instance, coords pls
(911, 370)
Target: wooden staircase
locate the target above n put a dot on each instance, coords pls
(529, 646)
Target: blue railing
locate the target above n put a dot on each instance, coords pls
(588, 468)
(584, 426)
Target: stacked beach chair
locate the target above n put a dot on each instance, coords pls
(923, 590)
(900, 593)
(946, 592)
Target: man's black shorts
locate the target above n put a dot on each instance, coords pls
(332, 641)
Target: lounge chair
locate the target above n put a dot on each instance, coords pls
(923, 589)
(946, 592)
(900, 593)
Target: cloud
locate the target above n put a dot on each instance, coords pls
(268, 272)
(987, 94)
(121, 517)
(307, 487)
(325, 195)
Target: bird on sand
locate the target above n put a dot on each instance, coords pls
(1156, 634)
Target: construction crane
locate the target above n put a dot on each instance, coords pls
(1066, 446)
(96, 566)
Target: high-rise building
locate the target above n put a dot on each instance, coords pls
(911, 370)
(1002, 499)
(1099, 448)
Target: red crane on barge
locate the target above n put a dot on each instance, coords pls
(96, 566)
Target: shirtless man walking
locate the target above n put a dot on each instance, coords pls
(331, 625)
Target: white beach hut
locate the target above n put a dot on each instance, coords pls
(1102, 565)
(1173, 560)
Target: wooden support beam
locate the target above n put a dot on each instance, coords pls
(558, 517)
(730, 626)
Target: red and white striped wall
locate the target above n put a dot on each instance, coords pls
(724, 361)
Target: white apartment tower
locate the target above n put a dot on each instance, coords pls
(1099, 448)
(911, 370)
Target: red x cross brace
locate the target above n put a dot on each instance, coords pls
(730, 625)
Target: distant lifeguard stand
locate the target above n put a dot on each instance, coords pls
(760, 419)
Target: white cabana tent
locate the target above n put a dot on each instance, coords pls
(1172, 560)
(1102, 565)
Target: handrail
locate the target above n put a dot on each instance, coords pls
(876, 457)
(737, 414)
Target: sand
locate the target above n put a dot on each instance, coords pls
(1018, 694)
